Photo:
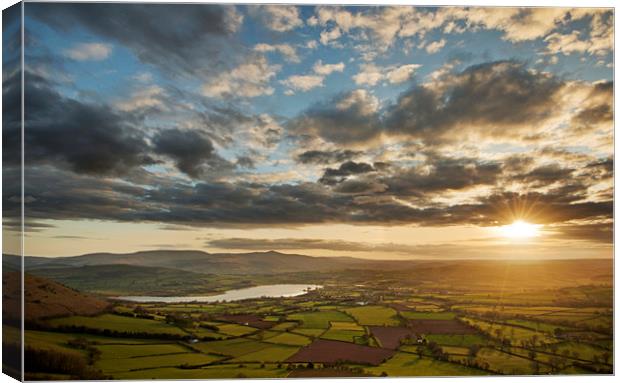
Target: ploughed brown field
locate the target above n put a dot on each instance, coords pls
(332, 351)
(325, 373)
(437, 326)
(390, 337)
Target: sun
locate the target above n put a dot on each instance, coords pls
(520, 229)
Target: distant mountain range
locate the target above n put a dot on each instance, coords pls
(180, 272)
(270, 262)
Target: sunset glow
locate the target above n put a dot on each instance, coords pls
(520, 229)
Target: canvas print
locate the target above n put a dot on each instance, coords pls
(209, 191)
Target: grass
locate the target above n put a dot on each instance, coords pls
(228, 371)
(289, 339)
(118, 323)
(452, 350)
(312, 332)
(319, 319)
(343, 335)
(231, 347)
(583, 350)
(515, 334)
(284, 326)
(428, 315)
(536, 326)
(235, 329)
(351, 326)
(124, 351)
(504, 363)
(112, 365)
(463, 340)
(274, 353)
(404, 364)
(374, 315)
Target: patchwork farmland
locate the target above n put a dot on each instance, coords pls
(344, 329)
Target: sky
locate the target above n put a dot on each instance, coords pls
(390, 132)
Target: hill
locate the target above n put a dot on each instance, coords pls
(140, 280)
(46, 298)
(202, 262)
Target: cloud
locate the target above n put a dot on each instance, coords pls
(89, 52)
(146, 30)
(401, 73)
(327, 69)
(371, 74)
(493, 99)
(303, 82)
(285, 49)
(279, 18)
(382, 23)
(382, 26)
(145, 98)
(307, 82)
(333, 176)
(435, 46)
(87, 138)
(190, 149)
(250, 79)
(348, 118)
(324, 157)
(327, 36)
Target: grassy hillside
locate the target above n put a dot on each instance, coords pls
(45, 298)
(129, 279)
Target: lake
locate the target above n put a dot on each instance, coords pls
(267, 291)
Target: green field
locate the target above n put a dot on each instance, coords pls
(289, 339)
(231, 347)
(118, 323)
(428, 315)
(457, 340)
(319, 319)
(405, 364)
(115, 365)
(235, 329)
(374, 315)
(504, 363)
(343, 335)
(272, 353)
(224, 371)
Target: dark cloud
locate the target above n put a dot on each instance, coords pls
(171, 36)
(326, 157)
(246, 162)
(87, 138)
(57, 194)
(439, 174)
(495, 99)
(191, 150)
(333, 176)
(348, 118)
(600, 170)
(545, 175)
(596, 110)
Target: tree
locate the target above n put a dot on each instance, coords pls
(606, 356)
(473, 351)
